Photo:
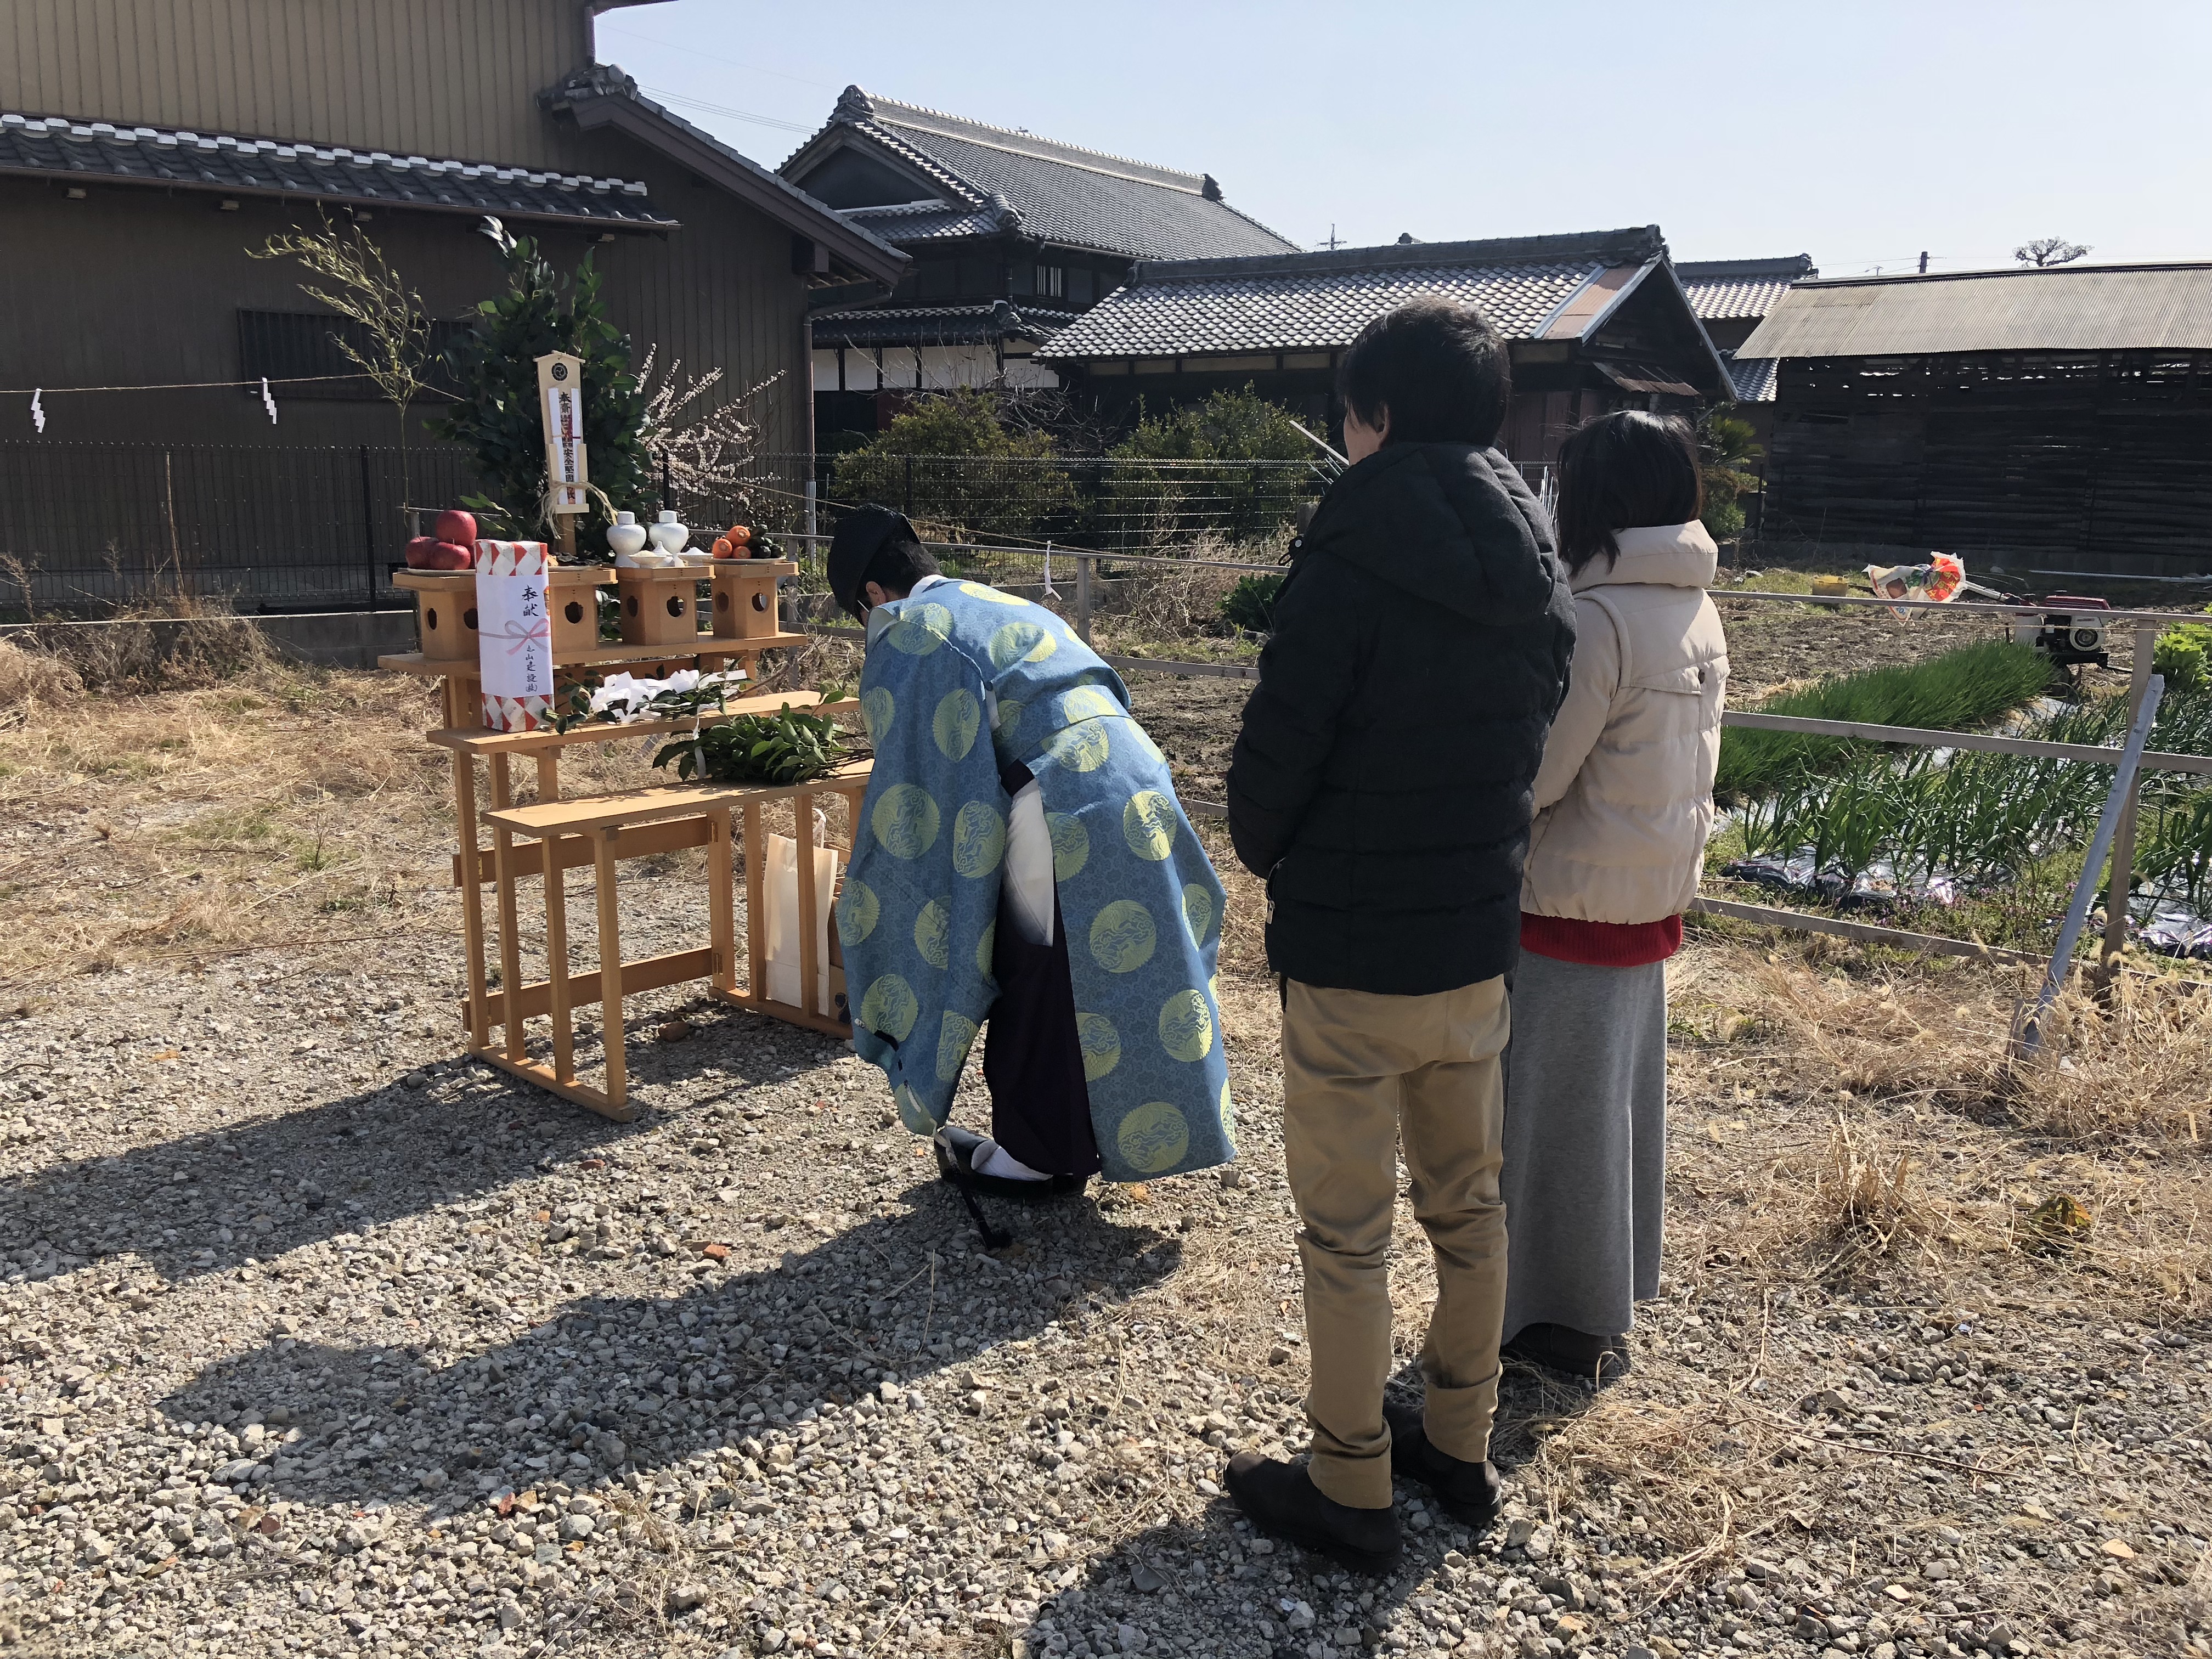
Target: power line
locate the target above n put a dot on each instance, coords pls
(723, 109)
(694, 51)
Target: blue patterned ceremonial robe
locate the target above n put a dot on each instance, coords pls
(1138, 899)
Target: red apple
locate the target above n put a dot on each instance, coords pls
(456, 526)
(428, 553)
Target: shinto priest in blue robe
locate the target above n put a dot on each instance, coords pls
(961, 682)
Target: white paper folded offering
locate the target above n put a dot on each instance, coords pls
(514, 635)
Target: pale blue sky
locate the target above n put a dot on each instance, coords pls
(1860, 133)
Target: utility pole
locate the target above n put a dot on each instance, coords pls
(1923, 262)
(1333, 244)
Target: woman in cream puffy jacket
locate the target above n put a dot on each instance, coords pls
(1624, 802)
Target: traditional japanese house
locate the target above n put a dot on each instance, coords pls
(2054, 419)
(1012, 236)
(148, 147)
(1596, 322)
(1732, 298)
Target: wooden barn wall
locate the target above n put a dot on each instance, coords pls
(2004, 458)
(446, 78)
(88, 308)
(718, 294)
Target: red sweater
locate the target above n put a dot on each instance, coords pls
(1601, 943)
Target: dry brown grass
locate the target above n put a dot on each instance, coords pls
(1868, 1200)
(30, 677)
(1934, 1031)
(1657, 1470)
(2141, 1065)
(1243, 926)
(1175, 611)
(168, 638)
(281, 805)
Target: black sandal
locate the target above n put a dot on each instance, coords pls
(958, 1149)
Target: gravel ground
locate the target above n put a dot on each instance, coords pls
(314, 1340)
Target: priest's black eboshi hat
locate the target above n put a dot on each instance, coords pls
(860, 535)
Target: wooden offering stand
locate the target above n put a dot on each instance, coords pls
(600, 830)
(751, 627)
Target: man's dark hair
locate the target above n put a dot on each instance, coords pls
(1620, 470)
(1437, 366)
(899, 564)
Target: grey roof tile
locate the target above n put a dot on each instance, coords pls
(1060, 193)
(222, 162)
(923, 222)
(935, 324)
(1319, 301)
(1724, 289)
(1754, 377)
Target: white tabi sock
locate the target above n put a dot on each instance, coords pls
(993, 1159)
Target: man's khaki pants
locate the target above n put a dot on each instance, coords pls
(1358, 1069)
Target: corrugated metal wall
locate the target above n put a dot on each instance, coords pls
(443, 78)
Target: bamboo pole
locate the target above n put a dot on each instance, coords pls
(755, 904)
(802, 834)
(721, 900)
(1926, 738)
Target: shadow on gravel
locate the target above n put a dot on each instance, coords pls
(274, 1184)
(1194, 1578)
(646, 1381)
(204, 1203)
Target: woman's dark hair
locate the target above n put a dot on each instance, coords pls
(897, 566)
(1620, 470)
(1437, 366)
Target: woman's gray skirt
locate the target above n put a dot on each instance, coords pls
(1585, 1175)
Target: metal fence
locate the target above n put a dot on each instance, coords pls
(1105, 504)
(90, 526)
(86, 527)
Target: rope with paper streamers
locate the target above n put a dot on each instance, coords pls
(262, 383)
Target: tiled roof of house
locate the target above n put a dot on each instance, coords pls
(1721, 289)
(1755, 378)
(936, 325)
(909, 222)
(1060, 193)
(241, 166)
(1312, 301)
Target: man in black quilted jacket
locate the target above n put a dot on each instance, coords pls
(1381, 789)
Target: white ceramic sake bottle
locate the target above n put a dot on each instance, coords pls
(627, 537)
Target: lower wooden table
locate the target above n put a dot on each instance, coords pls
(602, 830)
